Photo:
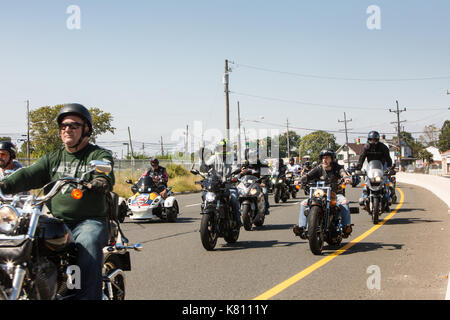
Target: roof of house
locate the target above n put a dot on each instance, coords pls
(357, 148)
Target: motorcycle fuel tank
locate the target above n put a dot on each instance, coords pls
(55, 235)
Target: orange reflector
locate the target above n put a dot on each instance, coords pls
(363, 184)
(298, 187)
(343, 186)
(77, 194)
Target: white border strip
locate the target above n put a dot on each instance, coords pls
(447, 296)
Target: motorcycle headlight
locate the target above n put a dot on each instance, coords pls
(9, 219)
(253, 191)
(273, 180)
(280, 181)
(318, 193)
(210, 197)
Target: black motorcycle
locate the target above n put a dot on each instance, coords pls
(280, 187)
(38, 253)
(251, 200)
(218, 219)
(324, 221)
(292, 187)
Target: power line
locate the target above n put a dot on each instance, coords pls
(329, 105)
(303, 75)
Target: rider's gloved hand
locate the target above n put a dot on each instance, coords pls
(100, 185)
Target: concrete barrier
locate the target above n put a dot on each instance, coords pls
(440, 186)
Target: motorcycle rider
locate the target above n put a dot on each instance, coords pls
(292, 166)
(332, 171)
(255, 169)
(221, 163)
(8, 162)
(86, 217)
(374, 150)
(160, 176)
(305, 169)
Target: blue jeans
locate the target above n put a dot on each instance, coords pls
(90, 236)
(344, 211)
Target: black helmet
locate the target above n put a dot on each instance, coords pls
(78, 110)
(154, 161)
(307, 164)
(281, 161)
(373, 137)
(291, 159)
(9, 146)
(327, 152)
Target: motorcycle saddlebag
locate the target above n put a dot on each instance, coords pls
(16, 250)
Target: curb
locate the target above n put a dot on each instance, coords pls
(436, 184)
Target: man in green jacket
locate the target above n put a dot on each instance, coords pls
(86, 217)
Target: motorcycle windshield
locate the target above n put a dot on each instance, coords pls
(145, 184)
(374, 168)
(248, 180)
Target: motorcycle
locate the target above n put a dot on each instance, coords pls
(280, 188)
(324, 221)
(251, 200)
(292, 187)
(218, 219)
(376, 190)
(148, 204)
(38, 253)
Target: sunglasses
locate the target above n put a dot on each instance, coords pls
(70, 125)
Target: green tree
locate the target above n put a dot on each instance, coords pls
(294, 141)
(430, 136)
(314, 142)
(44, 132)
(425, 155)
(444, 137)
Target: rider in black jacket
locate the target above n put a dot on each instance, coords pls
(374, 150)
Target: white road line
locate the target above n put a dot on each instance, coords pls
(447, 296)
(192, 205)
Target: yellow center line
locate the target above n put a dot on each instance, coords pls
(299, 276)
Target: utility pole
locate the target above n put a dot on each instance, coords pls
(131, 145)
(346, 138)
(398, 111)
(227, 100)
(287, 138)
(28, 132)
(239, 134)
(186, 143)
(162, 147)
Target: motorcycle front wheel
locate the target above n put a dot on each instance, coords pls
(276, 195)
(315, 234)
(208, 232)
(246, 219)
(375, 210)
(112, 264)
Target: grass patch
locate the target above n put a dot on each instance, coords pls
(179, 178)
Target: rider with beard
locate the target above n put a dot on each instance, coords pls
(332, 171)
(8, 164)
(374, 150)
(86, 217)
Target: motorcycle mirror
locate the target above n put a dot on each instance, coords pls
(100, 166)
(193, 171)
(129, 181)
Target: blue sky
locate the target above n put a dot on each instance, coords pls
(157, 65)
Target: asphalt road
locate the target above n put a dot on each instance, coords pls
(405, 257)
